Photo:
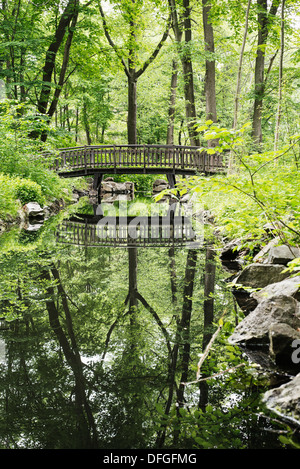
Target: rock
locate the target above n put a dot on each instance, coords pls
(287, 287)
(159, 182)
(129, 186)
(285, 400)
(260, 275)
(255, 276)
(272, 325)
(283, 254)
(261, 255)
(113, 187)
(159, 188)
(282, 337)
(33, 209)
(255, 327)
(230, 251)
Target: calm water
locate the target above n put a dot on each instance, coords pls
(98, 340)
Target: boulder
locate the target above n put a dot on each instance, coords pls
(283, 254)
(284, 400)
(160, 188)
(260, 275)
(272, 326)
(159, 182)
(282, 338)
(287, 287)
(252, 277)
(113, 187)
(33, 209)
(256, 326)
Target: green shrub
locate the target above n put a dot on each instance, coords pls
(28, 191)
(7, 197)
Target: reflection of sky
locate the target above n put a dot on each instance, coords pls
(2, 351)
(2, 90)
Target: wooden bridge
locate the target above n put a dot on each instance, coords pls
(97, 160)
(141, 231)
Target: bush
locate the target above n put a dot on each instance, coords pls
(28, 191)
(7, 197)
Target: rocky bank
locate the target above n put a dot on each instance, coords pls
(269, 334)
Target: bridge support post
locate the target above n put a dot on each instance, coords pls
(171, 180)
(97, 181)
(97, 185)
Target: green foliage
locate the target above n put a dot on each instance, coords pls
(25, 172)
(29, 191)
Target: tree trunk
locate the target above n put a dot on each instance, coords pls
(132, 257)
(186, 59)
(209, 288)
(132, 110)
(263, 17)
(86, 123)
(172, 103)
(280, 77)
(68, 14)
(210, 66)
(239, 76)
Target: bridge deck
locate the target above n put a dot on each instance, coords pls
(145, 159)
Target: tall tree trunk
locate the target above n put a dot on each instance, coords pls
(209, 288)
(184, 326)
(132, 258)
(189, 93)
(182, 26)
(210, 65)
(208, 310)
(86, 123)
(263, 17)
(239, 75)
(172, 104)
(278, 117)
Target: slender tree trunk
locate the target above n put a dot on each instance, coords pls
(86, 123)
(132, 257)
(239, 76)
(65, 20)
(188, 75)
(208, 310)
(263, 17)
(210, 65)
(132, 110)
(280, 77)
(172, 104)
(209, 288)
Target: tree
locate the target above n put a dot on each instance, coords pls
(182, 27)
(132, 9)
(265, 18)
(67, 22)
(210, 65)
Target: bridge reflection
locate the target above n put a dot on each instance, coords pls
(127, 231)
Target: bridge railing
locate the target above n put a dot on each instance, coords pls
(115, 233)
(137, 156)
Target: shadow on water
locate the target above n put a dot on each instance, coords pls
(103, 336)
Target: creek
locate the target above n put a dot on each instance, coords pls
(101, 342)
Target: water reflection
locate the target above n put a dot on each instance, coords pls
(100, 343)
